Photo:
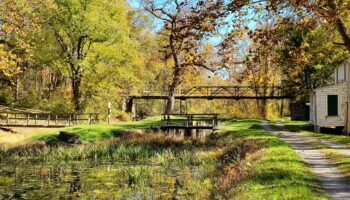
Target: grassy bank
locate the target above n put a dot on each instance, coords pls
(240, 161)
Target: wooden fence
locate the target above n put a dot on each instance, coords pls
(46, 119)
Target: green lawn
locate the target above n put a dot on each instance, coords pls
(93, 133)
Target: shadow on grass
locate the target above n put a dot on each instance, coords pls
(274, 175)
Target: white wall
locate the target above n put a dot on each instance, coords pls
(321, 103)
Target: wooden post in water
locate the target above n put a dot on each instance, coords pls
(180, 106)
(188, 121)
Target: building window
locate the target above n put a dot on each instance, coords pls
(332, 105)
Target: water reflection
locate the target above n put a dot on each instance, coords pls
(95, 180)
(75, 185)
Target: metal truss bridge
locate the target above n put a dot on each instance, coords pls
(223, 92)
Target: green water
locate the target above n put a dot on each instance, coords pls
(98, 180)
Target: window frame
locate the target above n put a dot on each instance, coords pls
(332, 110)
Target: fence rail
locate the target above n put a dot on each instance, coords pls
(46, 119)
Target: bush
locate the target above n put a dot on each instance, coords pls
(6, 96)
(122, 116)
(28, 100)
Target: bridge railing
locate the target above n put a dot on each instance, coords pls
(224, 91)
(235, 91)
(190, 120)
(46, 119)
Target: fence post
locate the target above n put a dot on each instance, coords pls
(55, 119)
(69, 119)
(90, 119)
(36, 118)
(7, 119)
(48, 120)
(27, 119)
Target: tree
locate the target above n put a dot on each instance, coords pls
(18, 26)
(185, 26)
(81, 27)
(333, 13)
(307, 56)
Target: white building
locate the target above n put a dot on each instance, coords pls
(329, 105)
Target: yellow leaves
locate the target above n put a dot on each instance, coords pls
(304, 45)
(189, 58)
(9, 62)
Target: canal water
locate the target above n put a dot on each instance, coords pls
(97, 180)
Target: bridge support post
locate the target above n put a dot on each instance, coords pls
(130, 107)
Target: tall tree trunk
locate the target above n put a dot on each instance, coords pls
(176, 78)
(265, 85)
(263, 111)
(16, 88)
(282, 108)
(76, 83)
(170, 104)
(172, 91)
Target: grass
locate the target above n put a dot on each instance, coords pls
(93, 133)
(240, 161)
(275, 172)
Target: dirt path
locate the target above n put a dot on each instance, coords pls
(343, 149)
(334, 183)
